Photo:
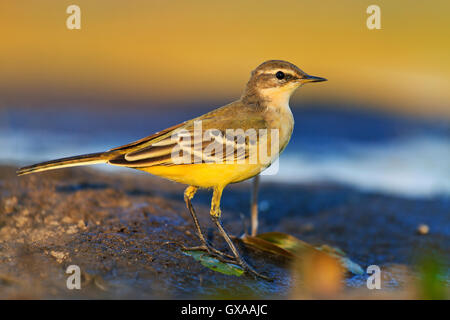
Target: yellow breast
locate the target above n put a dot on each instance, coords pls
(206, 175)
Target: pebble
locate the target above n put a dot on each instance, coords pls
(58, 255)
(81, 224)
(423, 229)
(10, 204)
(72, 229)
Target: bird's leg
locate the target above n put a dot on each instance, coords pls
(215, 215)
(254, 205)
(188, 195)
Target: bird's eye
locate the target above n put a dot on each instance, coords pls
(279, 75)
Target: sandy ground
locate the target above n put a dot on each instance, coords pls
(124, 231)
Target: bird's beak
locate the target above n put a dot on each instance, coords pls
(309, 78)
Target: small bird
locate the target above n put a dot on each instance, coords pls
(201, 162)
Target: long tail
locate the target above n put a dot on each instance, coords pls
(86, 159)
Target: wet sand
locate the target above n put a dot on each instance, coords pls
(124, 231)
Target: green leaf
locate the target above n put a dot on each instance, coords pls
(432, 277)
(214, 264)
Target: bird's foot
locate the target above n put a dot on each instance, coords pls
(226, 258)
(244, 265)
(221, 256)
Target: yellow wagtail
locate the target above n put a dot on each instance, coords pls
(263, 106)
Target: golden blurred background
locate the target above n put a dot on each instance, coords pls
(180, 52)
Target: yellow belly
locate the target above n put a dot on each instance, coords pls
(206, 175)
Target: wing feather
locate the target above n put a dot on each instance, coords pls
(217, 146)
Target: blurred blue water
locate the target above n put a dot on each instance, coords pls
(365, 149)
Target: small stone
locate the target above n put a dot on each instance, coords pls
(21, 221)
(67, 220)
(72, 230)
(58, 255)
(423, 229)
(10, 204)
(81, 225)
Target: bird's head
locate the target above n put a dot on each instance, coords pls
(275, 81)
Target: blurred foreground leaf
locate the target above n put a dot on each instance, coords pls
(290, 247)
(348, 264)
(214, 264)
(432, 278)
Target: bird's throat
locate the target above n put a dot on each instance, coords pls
(277, 99)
